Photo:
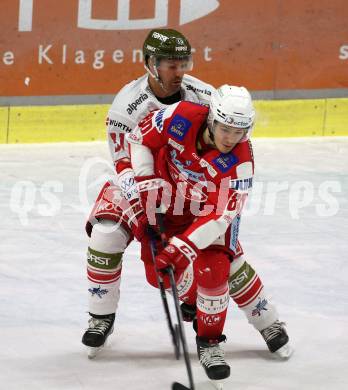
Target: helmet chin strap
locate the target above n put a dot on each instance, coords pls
(156, 77)
(211, 133)
(211, 136)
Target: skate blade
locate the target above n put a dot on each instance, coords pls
(93, 351)
(218, 384)
(285, 352)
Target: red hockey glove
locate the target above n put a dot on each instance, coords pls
(150, 189)
(139, 222)
(178, 254)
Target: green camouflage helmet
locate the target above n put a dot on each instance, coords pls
(166, 43)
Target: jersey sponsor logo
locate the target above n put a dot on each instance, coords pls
(234, 233)
(259, 307)
(120, 125)
(241, 184)
(197, 177)
(159, 120)
(210, 169)
(150, 184)
(98, 291)
(224, 162)
(134, 106)
(179, 126)
(195, 89)
(175, 145)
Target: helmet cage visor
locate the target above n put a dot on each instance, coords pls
(177, 63)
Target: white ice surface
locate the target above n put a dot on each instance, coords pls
(300, 254)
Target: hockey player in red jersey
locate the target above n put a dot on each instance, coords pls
(196, 163)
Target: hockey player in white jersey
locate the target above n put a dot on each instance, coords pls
(167, 58)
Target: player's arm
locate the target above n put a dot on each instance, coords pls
(225, 203)
(148, 137)
(145, 140)
(118, 125)
(206, 229)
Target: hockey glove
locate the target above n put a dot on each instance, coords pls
(178, 255)
(150, 189)
(139, 222)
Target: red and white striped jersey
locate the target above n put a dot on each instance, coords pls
(209, 186)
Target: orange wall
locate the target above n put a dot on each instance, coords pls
(262, 44)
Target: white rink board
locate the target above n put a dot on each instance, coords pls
(300, 253)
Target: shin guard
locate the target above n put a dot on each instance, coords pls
(247, 291)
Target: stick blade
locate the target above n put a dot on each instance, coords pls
(179, 386)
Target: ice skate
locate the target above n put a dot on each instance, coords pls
(277, 340)
(211, 357)
(99, 329)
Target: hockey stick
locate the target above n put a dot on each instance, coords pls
(170, 272)
(176, 385)
(173, 329)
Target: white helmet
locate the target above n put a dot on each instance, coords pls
(231, 106)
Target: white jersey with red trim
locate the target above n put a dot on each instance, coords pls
(213, 185)
(135, 100)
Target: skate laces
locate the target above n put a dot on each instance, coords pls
(99, 325)
(212, 356)
(273, 331)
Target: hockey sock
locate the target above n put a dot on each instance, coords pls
(247, 291)
(211, 311)
(104, 277)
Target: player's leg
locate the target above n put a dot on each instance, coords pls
(109, 236)
(185, 281)
(211, 273)
(247, 291)
(104, 265)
